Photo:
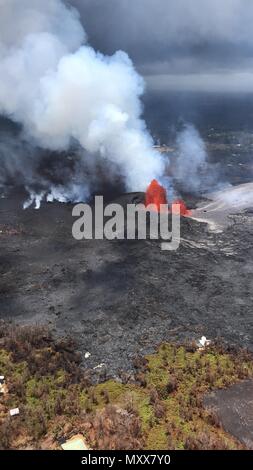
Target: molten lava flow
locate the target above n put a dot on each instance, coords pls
(183, 209)
(156, 195)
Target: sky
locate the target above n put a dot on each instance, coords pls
(197, 44)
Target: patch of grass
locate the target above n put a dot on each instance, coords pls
(157, 438)
(4, 361)
(161, 410)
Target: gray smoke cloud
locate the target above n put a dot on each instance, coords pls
(63, 93)
(178, 44)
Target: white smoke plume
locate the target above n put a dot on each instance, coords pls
(63, 92)
(191, 167)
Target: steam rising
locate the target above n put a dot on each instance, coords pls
(66, 94)
(191, 167)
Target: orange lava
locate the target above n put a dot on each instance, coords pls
(183, 209)
(156, 195)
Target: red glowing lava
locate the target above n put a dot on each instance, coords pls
(156, 195)
(183, 209)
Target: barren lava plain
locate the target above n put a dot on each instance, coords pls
(122, 298)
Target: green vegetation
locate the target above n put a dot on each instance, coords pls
(160, 408)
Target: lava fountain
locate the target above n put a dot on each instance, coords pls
(156, 195)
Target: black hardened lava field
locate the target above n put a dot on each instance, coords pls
(121, 298)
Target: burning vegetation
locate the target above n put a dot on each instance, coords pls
(160, 407)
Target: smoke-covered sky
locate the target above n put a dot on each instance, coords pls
(64, 94)
(199, 44)
(69, 81)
